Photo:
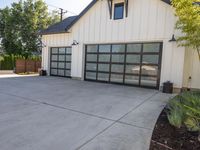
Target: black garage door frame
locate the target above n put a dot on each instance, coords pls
(125, 63)
(59, 61)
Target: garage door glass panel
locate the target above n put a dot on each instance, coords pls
(92, 48)
(54, 71)
(68, 58)
(103, 76)
(133, 58)
(118, 48)
(118, 58)
(54, 57)
(149, 70)
(116, 78)
(132, 64)
(129, 79)
(60, 61)
(117, 68)
(92, 57)
(149, 81)
(67, 73)
(61, 57)
(104, 48)
(61, 65)
(91, 75)
(91, 66)
(133, 69)
(104, 58)
(54, 50)
(61, 72)
(61, 50)
(54, 64)
(134, 48)
(68, 65)
(68, 50)
(104, 67)
(150, 59)
(155, 47)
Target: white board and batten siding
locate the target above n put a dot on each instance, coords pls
(147, 21)
(191, 69)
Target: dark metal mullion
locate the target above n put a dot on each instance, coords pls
(110, 63)
(65, 62)
(124, 74)
(133, 53)
(50, 59)
(58, 60)
(141, 58)
(85, 62)
(159, 66)
(97, 62)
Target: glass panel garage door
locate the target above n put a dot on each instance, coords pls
(60, 61)
(130, 64)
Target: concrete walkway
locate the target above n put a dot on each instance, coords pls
(49, 113)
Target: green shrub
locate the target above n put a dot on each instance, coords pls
(175, 113)
(7, 62)
(184, 110)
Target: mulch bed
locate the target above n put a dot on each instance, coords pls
(167, 137)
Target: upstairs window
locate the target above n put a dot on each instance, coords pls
(119, 11)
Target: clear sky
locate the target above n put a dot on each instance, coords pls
(72, 5)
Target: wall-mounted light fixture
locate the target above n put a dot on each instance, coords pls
(173, 39)
(74, 43)
(42, 45)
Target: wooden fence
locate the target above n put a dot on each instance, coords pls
(23, 66)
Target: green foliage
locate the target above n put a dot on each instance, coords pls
(175, 114)
(7, 62)
(20, 25)
(188, 22)
(184, 110)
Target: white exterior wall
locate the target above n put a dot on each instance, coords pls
(191, 69)
(147, 21)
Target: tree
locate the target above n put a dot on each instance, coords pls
(188, 22)
(21, 24)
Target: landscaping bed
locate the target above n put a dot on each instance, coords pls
(167, 137)
(178, 126)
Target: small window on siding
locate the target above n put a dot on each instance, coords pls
(119, 11)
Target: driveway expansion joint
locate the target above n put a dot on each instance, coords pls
(84, 113)
(118, 121)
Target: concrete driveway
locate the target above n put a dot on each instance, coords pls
(52, 113)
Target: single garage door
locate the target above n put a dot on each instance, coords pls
(60, 61)
(136, 64)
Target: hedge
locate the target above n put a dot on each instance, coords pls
(7, 62)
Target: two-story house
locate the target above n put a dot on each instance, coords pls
(126, 42)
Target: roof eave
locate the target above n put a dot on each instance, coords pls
(81, 14)
(92, 4)
(167, 1)
(64, 32)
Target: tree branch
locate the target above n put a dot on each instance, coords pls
(198, 51)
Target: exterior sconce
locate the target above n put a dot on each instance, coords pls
(173, 39)
(42, 45)
(74, 43)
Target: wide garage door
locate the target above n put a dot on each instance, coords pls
(137, 64)
(60, 61)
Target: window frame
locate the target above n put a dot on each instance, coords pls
(118, 5)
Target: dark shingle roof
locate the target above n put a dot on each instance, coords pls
(167, 1)
(67, 23)
(59, 27)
